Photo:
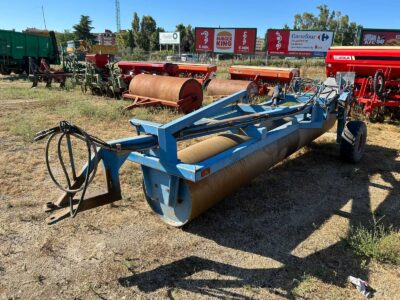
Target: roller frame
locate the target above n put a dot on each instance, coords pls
(158, 151)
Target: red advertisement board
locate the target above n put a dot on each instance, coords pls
(245, 40)
(204, 39)
(226, 40)
(298, 43)
(380, 37)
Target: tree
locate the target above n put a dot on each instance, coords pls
(82, 30)
(324, 17)
(136, 29)
(190, 39)
(182, 31)
(187, 37)
(63, 37)
(122, 40)
(131, 39)
(155, 38)
(345, 31)
(135, 23)
(147, 27)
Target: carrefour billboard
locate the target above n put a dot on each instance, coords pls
(380, 37)
(298, 43)
(226, 40)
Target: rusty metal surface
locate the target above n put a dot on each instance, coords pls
(224, 87)
(166, 88)
(210, 147)
(209, 191)
(264, 72)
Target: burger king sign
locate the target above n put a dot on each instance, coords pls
(224, 40)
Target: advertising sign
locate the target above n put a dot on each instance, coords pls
(170, 38)
(299, 43)
(226, 40)
(245, 40)
(380, 37)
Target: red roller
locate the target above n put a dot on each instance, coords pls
(184, 94)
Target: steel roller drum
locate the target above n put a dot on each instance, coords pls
(224, 87)
(168, 88)
(194, 198)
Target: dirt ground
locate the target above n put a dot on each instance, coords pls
(281, 237)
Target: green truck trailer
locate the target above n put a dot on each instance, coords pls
(16, 48)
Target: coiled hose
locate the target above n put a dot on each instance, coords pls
(66, 130)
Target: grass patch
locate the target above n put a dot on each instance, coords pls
(101, 111)
(24, 130)
(379, 242)
(305, 286)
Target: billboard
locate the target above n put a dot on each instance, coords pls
(298, 43)
(379, 37)
(170, 38)
(226, 40)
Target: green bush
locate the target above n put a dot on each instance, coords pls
(380, 242)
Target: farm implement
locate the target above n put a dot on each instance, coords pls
(264, 77)
(129, 69)
(224, 87)
(101, 78)
(238, 142)
(377, 78)
(42, 72)
(184, 94)
(200, 72)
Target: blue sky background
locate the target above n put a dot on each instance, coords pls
(60, 15)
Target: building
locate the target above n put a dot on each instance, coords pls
(107, 38)
(259, 44)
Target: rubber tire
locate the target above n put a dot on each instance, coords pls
(378, 88)
(353, 153)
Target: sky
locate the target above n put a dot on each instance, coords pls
(60, 15)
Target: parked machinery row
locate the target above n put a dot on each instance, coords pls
(178, 85)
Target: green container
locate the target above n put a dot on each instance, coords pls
(17, 47)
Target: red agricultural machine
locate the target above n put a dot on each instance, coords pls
(131, 68)
(265, 77)
(377, 78)
(201, 72)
